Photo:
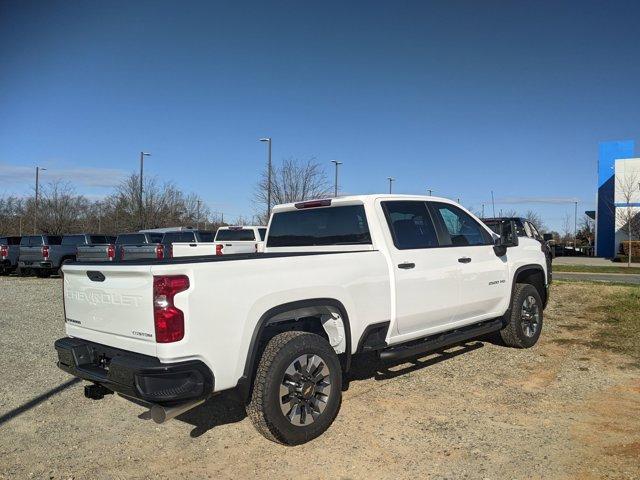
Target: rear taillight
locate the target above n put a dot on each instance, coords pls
(169, 320)
(256, 247)
(159, 252)
(122, 253)
(111, 252)
(171, 251)
(219, 248)
(45, 252)
(4, 251)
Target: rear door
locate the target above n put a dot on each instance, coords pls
(483, 275)
(427, 286)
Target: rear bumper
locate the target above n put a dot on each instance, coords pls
(36, 264)
(135, 375)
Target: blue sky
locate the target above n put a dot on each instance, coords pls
(460, 97)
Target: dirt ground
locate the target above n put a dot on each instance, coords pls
(564, 409)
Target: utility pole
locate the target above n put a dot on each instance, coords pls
(483, 210)
(430, 191)
(198, 217)
(35, 212)
(335, 183)
(268, 140)
(391, 180)
(493, 205)
(142, 155)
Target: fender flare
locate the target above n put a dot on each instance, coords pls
(530, 266)
(245, 382)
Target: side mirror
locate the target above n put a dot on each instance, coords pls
(547, 237)
(508, 238)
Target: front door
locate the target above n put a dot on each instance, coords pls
(483, 275)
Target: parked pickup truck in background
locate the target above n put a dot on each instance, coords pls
(9, 252)
(141, 245)
(186, 243)
(398, 275)
(239, 239)
(102, 248)
(45, 254)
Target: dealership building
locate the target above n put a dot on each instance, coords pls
(618, 188)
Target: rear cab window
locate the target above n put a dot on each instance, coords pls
(206, 236)
(98, 239)
(53, 240)
(235, 234)
(73, 240)
(340, 225)
(178, 237)
(131, 239)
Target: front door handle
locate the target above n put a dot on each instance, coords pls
(406, 266)
(464, 259)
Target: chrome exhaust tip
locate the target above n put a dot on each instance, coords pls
(161, 414)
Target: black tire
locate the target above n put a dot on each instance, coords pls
(523, 326)
(265, 408)
(22, 272)
(43, 273)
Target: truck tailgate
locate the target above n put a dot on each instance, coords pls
(112, 305)
(138, 252)
(92, 253)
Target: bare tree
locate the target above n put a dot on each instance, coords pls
(626, 187)
(61, 210)
(567, 228)
(536, 219)
(293, 181)
(510, 213)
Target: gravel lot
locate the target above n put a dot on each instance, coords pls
(559, 410)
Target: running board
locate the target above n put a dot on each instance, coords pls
(439, 341)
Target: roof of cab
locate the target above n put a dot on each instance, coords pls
(361, 199)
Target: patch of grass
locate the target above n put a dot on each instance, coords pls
(596, 269)
(621, 320)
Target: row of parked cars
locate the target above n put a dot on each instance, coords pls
(43, 254)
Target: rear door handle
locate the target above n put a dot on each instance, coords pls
(406, 266)
(464, 259)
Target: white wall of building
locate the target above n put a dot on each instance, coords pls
(627, 177)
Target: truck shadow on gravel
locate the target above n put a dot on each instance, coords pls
(228, 407)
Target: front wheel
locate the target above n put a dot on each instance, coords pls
(524, 321)
(297, 388)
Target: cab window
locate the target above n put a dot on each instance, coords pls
(458, 227)
(410, 224)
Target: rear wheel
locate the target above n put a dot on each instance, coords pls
(524, 323)
(297, 388)
(22, 271)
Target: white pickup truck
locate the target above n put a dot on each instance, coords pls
(228, 240)
(393, 274)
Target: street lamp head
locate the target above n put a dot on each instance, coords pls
(145, 154)
(336, 162)
(266, 139)
(391, 179)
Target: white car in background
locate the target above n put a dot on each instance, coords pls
(228, 240)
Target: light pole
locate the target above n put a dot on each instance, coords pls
(430, 191)
(391, 180)
(335, 184)
(35, 212)
(142, 155)
(575, 226)
(268, 140)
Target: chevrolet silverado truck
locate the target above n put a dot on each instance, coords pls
(397, 275)
(9, 252)
(45, 254)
